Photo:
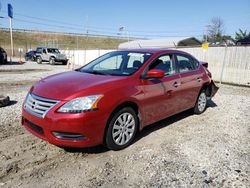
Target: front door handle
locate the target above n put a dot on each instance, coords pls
(199, 79)
(176, 84)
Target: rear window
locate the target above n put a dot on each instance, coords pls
(39, 50)
(186, 64)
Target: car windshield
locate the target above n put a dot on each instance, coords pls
(53, 50)
(119, 63)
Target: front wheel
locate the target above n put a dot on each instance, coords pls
(39, 60)
(122, 129)
(201, 103)
(52, 61)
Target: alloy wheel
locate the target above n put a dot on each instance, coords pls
(123, 129)
(202, 102)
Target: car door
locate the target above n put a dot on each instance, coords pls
(161, 94)
(45, 55)
(191, 80)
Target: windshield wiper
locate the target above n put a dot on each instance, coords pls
(96, 72)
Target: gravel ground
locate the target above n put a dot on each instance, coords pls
(186, 150)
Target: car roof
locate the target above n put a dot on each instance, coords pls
(154, 50)
(47, 47)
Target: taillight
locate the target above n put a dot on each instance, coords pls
(204, 64)
(208, 72)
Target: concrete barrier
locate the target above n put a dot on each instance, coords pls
(227, 64)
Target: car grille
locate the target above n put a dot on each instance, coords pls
(60, 56)
(38, 106)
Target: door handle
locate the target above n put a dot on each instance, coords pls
(199, 79)
(169, 93)
(176, 84)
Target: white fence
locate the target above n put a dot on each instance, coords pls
(227, 64)
(81, 57)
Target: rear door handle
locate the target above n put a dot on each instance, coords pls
(176, 84)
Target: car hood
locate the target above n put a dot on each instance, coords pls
(69, 85)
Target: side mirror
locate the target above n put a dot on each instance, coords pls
(155, 73)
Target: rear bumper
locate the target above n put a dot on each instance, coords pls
(213, 88)
(67, 130)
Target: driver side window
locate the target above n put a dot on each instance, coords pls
(164, 63)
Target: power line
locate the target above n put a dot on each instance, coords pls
(102, 28)
(98, 31)
(49, 20)
(50, 25)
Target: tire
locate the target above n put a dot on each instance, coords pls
(122, 129)
(4, 101)
(52, 60)
(201, 103)
(39, 60)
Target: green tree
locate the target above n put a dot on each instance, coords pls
(241, 34)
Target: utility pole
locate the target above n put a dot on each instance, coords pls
(11, 40)
(86, 25)
(10, 14)
(206, 35)
(124, 31)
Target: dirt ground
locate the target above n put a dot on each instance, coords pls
(186, 150)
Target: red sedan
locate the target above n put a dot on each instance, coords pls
(113, 97)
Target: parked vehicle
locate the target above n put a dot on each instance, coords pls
(31, 55)
(243, 42)
(3, 56)
(113, 97)
(51, 55)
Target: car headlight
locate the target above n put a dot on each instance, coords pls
(81, 104)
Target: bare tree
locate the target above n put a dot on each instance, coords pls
(215, 29)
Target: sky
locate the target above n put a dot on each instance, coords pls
(141, 18)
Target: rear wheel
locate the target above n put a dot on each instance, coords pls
(39, 60)
(201, 103)
(122, 129)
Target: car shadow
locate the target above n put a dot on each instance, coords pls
(163, 123)
(146, 131)
(211, 104)
(170, 120)
(90, 150)
(14, 63)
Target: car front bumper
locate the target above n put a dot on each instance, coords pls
(67, 130)
(61, 60)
